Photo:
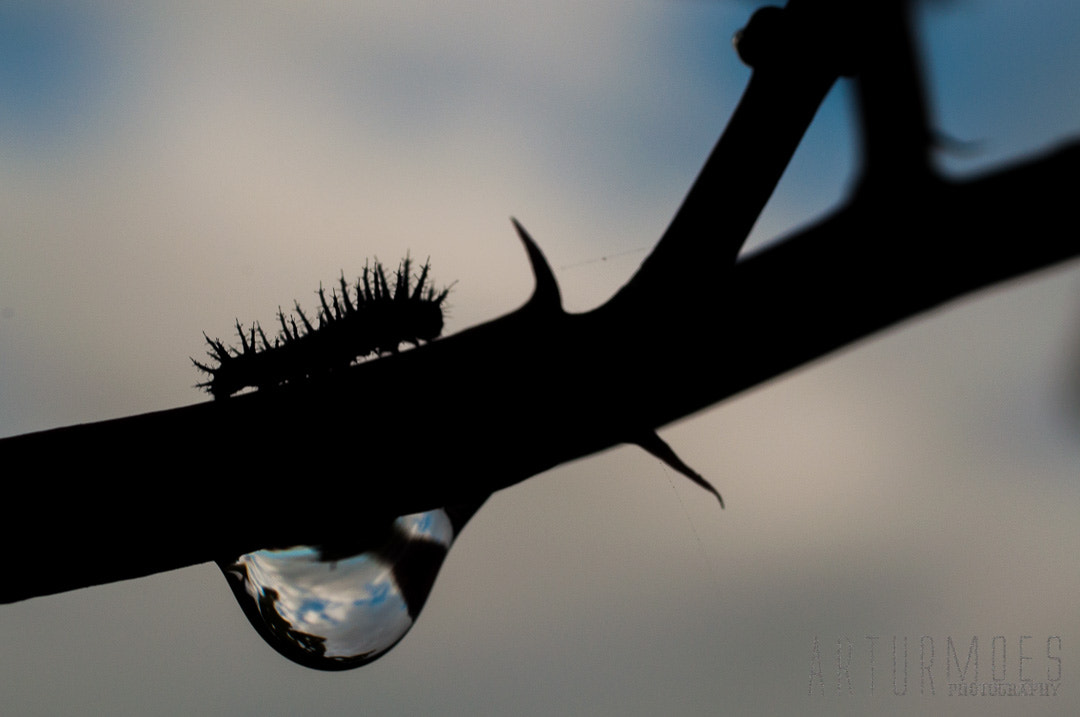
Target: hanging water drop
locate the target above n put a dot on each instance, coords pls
(333, 610)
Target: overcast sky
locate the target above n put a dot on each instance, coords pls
(166, 168)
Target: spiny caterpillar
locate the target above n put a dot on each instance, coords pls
(377, 319)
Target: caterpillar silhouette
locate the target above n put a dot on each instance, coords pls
(375, 320)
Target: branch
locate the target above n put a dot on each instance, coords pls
(473, 413)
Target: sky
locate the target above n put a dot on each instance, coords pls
(166, 168)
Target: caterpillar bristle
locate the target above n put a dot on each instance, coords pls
(284, 327)
(219, 351)
(365, 295)
(262, 335)
(401, 290)
(202, 367)
(245, 347)
(307, 324)
(416, 295)
(371, 319)
(382, 292)
(345, 294)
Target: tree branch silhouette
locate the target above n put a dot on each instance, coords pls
(467, 415)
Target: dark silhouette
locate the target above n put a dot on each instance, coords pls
(376, 321)
(464, 416)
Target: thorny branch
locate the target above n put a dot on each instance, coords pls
(541, 387)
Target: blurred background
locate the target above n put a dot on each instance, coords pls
(167, 168)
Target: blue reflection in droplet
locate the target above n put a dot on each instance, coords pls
(336, 613)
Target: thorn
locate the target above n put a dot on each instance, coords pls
(546, 294)
(655, 445)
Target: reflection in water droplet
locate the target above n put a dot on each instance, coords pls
(334, 609)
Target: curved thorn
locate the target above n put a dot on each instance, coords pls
(655, 445)
(546, 294)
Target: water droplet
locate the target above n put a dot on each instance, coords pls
(332, 608)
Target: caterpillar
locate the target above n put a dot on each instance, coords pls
(374, 320)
